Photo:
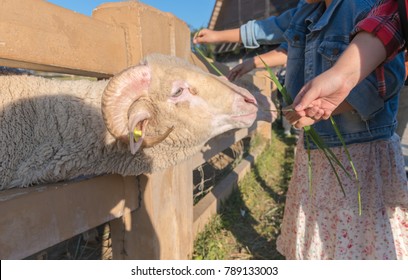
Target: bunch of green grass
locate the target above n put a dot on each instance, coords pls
(311, 135)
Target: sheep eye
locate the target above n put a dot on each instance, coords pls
(178, 92)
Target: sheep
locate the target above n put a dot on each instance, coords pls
(54, 130)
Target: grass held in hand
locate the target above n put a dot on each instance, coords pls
(312, 135)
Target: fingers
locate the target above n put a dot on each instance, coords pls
(299, 121)
(326, 115)
(291, 116)
(195, 38)
(200, 37)
(241, 69)
(305, 121)
(315, 113)
(234, 74)
(305, 97)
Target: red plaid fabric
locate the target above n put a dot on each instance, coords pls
(384, 22)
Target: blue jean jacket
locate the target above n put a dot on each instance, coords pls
(314, 38)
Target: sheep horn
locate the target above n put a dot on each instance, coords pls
(150, 141)
(120, 93)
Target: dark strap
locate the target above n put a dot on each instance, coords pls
(402, 11)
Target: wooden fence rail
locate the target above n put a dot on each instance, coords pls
(151, 216)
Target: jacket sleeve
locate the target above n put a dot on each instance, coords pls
(268, 31)
(383, 21)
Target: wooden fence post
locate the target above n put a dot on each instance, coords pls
(162, 228)
(147, 30)
(265, 85)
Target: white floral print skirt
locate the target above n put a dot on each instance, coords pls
(322, 223)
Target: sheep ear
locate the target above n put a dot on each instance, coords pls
(121, 92)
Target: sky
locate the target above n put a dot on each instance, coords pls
(196, 13)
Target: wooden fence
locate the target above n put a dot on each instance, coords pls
(151, 216)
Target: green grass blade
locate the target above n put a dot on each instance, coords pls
(309, 163)
(322, 146)
(209, 62)
(337, 175)
(326, 151)
(282, 89)
(336, 128)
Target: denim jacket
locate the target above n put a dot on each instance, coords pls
(315, 37)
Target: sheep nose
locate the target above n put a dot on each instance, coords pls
(250, 100)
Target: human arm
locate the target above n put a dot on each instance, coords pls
(251, 34)
(359, 60)
(364, 54)
(273, 58)
(205, 36)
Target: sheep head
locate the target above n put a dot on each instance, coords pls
(168, 98)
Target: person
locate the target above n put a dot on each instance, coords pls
(322, 223)
(378, 38)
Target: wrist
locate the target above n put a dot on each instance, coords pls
(346, 77)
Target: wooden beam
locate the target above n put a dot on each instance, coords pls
(36, 32)
(36, 218)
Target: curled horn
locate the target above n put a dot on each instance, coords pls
(153, 140)
(120, 93)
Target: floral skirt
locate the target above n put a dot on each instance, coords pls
(323, 223)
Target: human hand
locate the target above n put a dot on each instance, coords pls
(322, 95)
(296, 120)
(205, 36)
(239, 70)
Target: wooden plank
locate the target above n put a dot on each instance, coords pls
(163, 226)
(36, 218)
(39, 33)
(220, 143)
(54, 69)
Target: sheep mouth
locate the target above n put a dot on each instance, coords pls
(245, 115)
